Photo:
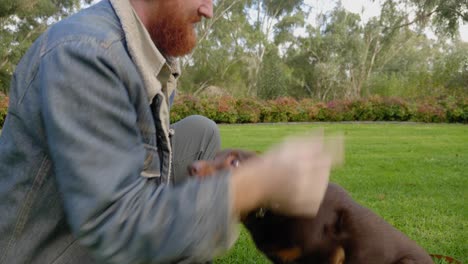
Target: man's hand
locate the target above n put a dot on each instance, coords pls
(291, 178)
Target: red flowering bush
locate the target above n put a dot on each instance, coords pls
(227, 109)
(456, 110)
(338, 111)
(429, 113)
(280, 109)
(3, 108)
(248, 110)
(293, 109)
(219, 109)
(362, 110)
(397, 109)
(185, 105)
(311, 109)
(375, 108)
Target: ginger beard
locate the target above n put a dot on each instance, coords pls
(174, 34)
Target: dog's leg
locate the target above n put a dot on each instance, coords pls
(338, 257)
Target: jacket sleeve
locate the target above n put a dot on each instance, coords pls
(98, 154)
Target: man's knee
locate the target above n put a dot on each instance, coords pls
(202, 121)
(202, 125)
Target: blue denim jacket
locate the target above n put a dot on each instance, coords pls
(76, 149)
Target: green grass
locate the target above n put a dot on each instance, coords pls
(413, 175)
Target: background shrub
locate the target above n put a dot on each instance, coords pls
(248, 110)
(3, 108)
(227, 109)
(186, 105)
(285, 109)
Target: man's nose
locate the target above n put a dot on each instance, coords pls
(206, 9)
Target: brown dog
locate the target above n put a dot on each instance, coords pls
(342, 232)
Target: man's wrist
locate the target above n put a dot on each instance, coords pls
(247, 191)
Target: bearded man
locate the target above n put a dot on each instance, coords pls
(91, 170)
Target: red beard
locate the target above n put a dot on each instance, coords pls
(174, 34)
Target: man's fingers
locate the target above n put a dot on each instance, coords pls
(306, 146)
(298, 171)
(334, 146)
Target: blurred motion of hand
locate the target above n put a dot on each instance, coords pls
(290, 178)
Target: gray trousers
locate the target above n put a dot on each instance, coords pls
(196, 138)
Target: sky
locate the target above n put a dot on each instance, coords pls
(368, 9)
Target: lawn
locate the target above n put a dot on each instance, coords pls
(413, 175)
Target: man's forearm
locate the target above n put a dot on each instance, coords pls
(163, 224)
(247, 192)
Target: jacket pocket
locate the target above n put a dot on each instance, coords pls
(152, 164)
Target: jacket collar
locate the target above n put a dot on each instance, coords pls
(152, 65)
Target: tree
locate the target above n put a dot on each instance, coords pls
(273, 75)
(220, 55)
(445, 15)
(272, 20)
(341, 57)
(450, 68)
(21, 22)
(231, 53)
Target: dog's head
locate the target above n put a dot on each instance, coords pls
(301, 240)
(280, 237)
(227, 159)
